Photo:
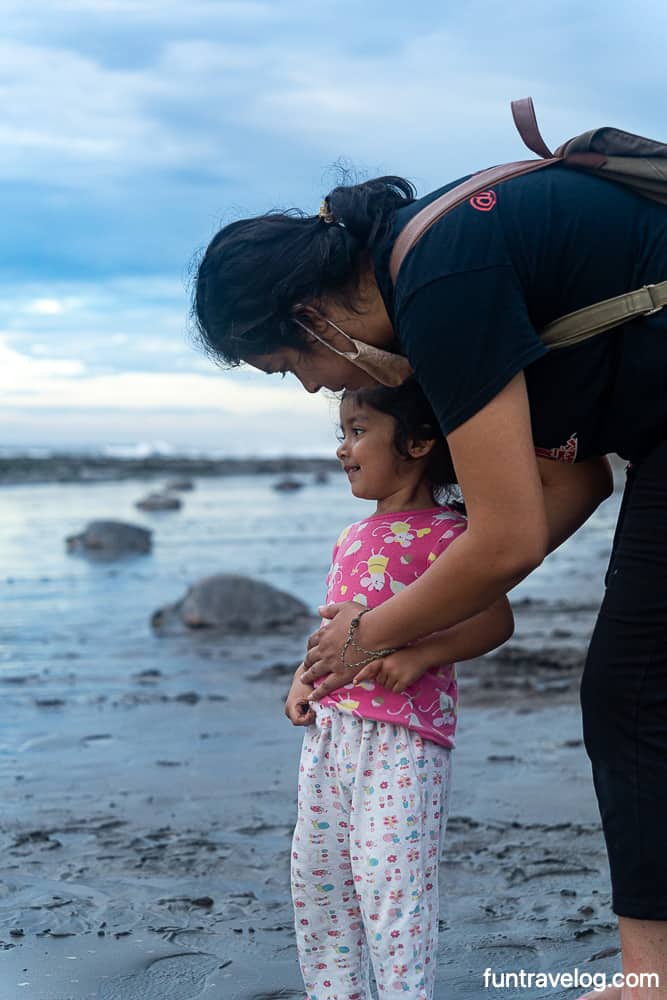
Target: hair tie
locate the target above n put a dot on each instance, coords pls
(325, 213)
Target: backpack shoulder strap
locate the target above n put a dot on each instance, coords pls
(620, 156)
(577, 326)
(434, 211)
(523, 112)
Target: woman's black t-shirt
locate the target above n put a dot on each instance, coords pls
(476, 288)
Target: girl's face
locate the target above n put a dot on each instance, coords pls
(373, 467)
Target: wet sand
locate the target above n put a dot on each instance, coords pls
(149, 783)
(146, 845)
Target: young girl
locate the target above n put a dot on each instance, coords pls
(374, 774)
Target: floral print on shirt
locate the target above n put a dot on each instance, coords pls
(372, 560)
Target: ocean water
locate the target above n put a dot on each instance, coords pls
(53, 599)
(73, 629)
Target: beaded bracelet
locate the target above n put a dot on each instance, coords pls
(369, 654)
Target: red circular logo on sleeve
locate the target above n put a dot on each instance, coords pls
(483, 201)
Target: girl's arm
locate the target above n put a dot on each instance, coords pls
(514, 519)
(474, 637)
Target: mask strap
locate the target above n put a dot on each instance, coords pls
(343, 354)
(385, 367)
(357, 350)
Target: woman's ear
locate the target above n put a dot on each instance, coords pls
(311, 312)
(316, 325)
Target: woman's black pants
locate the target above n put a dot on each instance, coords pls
(624, 696)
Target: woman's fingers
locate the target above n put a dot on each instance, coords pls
(313, 639)
(325, 646)
(311, 658)
(330, 610)
(313, 673)
(328, 685)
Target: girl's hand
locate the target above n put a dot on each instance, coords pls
(325, 645)
(396, 672)
(297, 707)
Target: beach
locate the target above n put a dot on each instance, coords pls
(149, 780)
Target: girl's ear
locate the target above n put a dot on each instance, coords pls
(420, 449)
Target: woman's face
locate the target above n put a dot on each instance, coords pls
(318, 366)
(315, 366)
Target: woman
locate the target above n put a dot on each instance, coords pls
(527, 430)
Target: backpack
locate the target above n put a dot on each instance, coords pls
(619, 156)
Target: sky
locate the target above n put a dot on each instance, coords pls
(132, 130)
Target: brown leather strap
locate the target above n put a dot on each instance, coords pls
(429, 215)
(523, 112)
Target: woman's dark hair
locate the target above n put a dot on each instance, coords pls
(415, 422)
(255, 271)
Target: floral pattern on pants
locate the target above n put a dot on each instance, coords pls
(372, 809)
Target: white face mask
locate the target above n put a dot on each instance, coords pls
(385, 367)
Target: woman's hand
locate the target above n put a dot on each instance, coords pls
(325, 645)
(297, 707)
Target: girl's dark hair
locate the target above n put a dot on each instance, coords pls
(415, 422)
(255, 271)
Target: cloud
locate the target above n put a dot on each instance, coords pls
(45, 307)
(59, 403)
(21, 376)
(187, 431)
(43, 383)
(115, 325)
(131, 128)
(131, 131)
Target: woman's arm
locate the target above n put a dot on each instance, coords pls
(475, 637)
(506, 537)
(517, 512)
(572, 493)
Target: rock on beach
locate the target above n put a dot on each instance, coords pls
(232, 603)
(179, 486)
(159, 501)
(110, 538)
(288, 485)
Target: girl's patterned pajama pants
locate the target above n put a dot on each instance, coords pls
(372, 809)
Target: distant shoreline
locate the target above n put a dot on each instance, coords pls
(24, 469)
(16, 470)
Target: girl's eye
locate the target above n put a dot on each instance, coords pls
(357, 431)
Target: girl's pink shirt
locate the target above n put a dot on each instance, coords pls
(372, 560)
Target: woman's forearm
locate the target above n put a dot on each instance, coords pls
(517, 513)
(463, 581)
(470, 576)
